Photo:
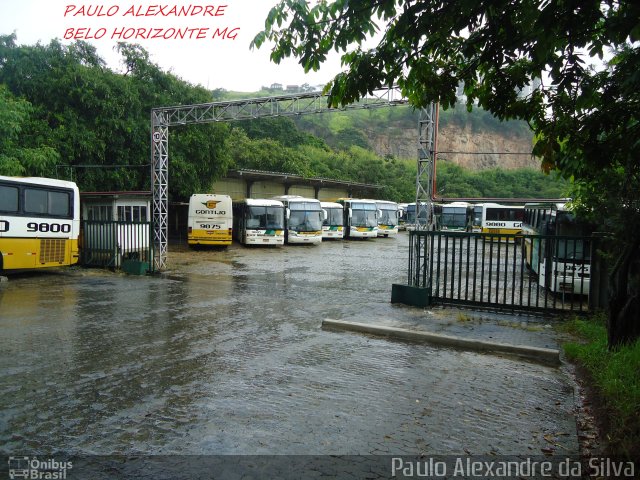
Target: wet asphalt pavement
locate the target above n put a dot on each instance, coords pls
(224, 354)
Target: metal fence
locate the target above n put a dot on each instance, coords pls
(116, 244)
(516, 272)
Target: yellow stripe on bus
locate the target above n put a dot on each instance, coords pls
(21, 253)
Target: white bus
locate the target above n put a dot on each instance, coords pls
(561, 256)
(210, 220)
(410, 216)
(258, 221)
(39, 223)
(303, 219)
(454, 217)
(476, 217)
(333, 223)
(388, 214)
(402, 216)
(501, 219)
(360, 218)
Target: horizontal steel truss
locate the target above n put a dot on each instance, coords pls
(286, 105)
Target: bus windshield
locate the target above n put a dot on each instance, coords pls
(265, 218)
(453, 217)
(364, 218)
(305, 221)
(334, 217)
(388, 217)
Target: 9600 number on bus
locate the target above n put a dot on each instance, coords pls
(48, 227)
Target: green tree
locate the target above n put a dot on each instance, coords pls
(96, 121)
(18, 157)
(585, 119)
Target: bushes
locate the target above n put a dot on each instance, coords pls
(615, 377)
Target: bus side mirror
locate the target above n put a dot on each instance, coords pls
(350, 213)
(379, 213)
(288, 213)
(324, 214)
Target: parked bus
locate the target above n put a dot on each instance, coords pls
(402, 216)
(561, 257)
(303, 219)
(39, 223)
(501, 219)
(454, 217)
(210, 220)
(360, 218)
(333, 223)
(387, 218)
(258, 222)
(477, 210)
(410, 215)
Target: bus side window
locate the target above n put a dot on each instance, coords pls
(35, 201)
(58, 203)
(8, 199)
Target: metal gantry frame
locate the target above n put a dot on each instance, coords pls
(285, 105)
(425, 191)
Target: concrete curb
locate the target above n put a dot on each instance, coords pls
(543, 355)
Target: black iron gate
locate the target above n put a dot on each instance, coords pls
(117, 244)
(515, 272)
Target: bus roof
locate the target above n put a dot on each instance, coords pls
(294, 198)
(54, 182)
(330, 205)
(500, 205)
(561, 207)
(359, 200)
(261, 202)
(213, 195)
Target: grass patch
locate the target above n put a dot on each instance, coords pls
(615, 378)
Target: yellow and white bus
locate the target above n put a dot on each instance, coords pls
(258, 221)
(39, 223)
(387, 218)
(501, 219)
(332, 225)
(210, 220)
(303, 219)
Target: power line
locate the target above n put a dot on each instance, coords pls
(484, 153)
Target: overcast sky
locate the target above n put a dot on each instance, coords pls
(214, 61)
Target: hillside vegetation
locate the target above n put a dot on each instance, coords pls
(64, 114)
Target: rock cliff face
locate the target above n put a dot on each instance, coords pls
(482, 150)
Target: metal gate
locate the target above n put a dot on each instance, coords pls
(506, 271)
(116, 244)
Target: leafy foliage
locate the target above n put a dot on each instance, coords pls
(586, 118)
(61, 106)
(614, 375)
(18, 152)
(72, 111)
